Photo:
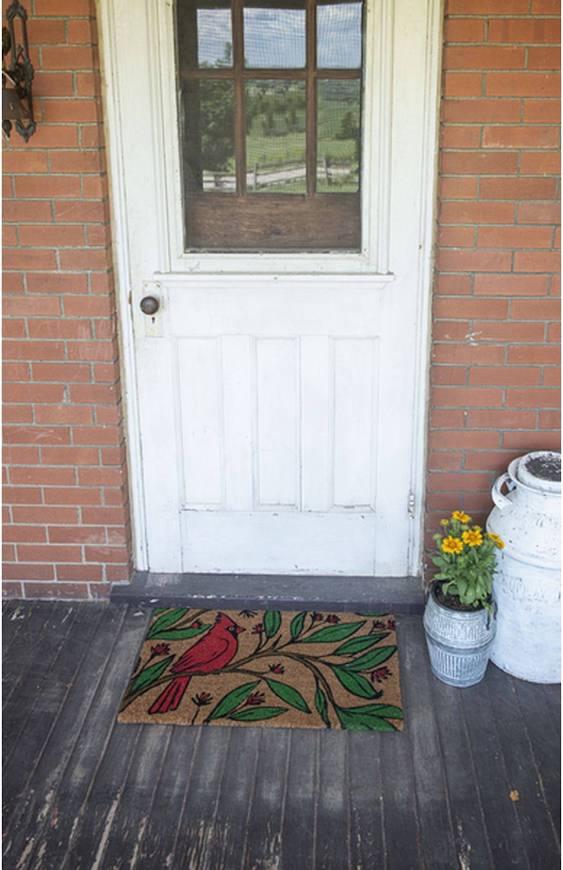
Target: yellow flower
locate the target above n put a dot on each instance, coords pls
(472, 538)
(452, 545)
(444, 522)
(496, 539)
(461, 517)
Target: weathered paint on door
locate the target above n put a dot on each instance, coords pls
(276, 402)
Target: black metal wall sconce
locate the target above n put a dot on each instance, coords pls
(17, 75)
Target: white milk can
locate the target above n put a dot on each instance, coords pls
(527, 585)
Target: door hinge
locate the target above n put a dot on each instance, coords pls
(411, 504)
(130, 297)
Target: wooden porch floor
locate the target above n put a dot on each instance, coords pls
(473, 781)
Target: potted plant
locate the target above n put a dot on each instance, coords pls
(459, 619)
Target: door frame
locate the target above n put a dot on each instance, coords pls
(370, 265)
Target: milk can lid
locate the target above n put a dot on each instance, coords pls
(541, 470)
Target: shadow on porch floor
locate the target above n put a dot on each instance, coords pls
(473, 781)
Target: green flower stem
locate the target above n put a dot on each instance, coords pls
(316, 671)
(190, 617)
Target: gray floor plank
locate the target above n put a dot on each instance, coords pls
(501, 819)
(42, 715)
(197, 828)
(544, 741)
(401, 827)
(90, 830)
(135, 805)
(161, 833)
(299, 822)
(333, 815)
(27, 645)
(432, 804)
(226, 848)
(539, 836)
(93, 741)
(87, 706)
(83, 792)
(471, 842)
(367, 843)
(552, 695)
(37, 680)
(14, 615)
(263, 836)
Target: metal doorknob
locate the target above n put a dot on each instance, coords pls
(150, 305)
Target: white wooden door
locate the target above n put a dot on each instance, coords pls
(275, 402)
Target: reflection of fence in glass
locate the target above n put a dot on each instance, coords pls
(275, 137)
(337, 176)
(332, 176)
(338, 136)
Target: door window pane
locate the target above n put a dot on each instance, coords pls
(209, 153)
(215, 44)
(275, 136)
(339, 35)
(338, 136)
(205, 34)
(274, 36)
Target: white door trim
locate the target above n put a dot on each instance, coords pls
(370, 266)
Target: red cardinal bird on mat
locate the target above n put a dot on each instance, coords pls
(212, 653)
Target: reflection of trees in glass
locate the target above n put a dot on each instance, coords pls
(338, 148)
(348, 127)
(209, 128)
(216, 119)
(275, 109)
(275, 135)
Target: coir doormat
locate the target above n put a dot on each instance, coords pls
(267, 668)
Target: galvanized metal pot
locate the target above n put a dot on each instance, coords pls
(458, 642)
(527, 585)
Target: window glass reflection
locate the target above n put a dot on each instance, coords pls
(274, 36)
(339, 35)
(275, 136)
(205, 39)
(215, 44)
(209, 153)
(338, 136)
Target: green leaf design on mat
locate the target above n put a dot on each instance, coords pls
(168, 618)
(257, 713)
(297, 624)
(372, 717)
(321, 705)
(359, 644)
(181, 633)
(272, 622)
(149, 675)
(288, 694)
(231, 700)
(333, 633)
(371, 660)
(386, 710)
(355, 684)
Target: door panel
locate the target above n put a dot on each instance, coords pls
(288, 442)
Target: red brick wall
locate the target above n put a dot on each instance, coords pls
(495, 351)
(495, 371)
(66, 519)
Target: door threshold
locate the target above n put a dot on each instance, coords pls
(280, 591)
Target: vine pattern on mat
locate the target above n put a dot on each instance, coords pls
(357, 663)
